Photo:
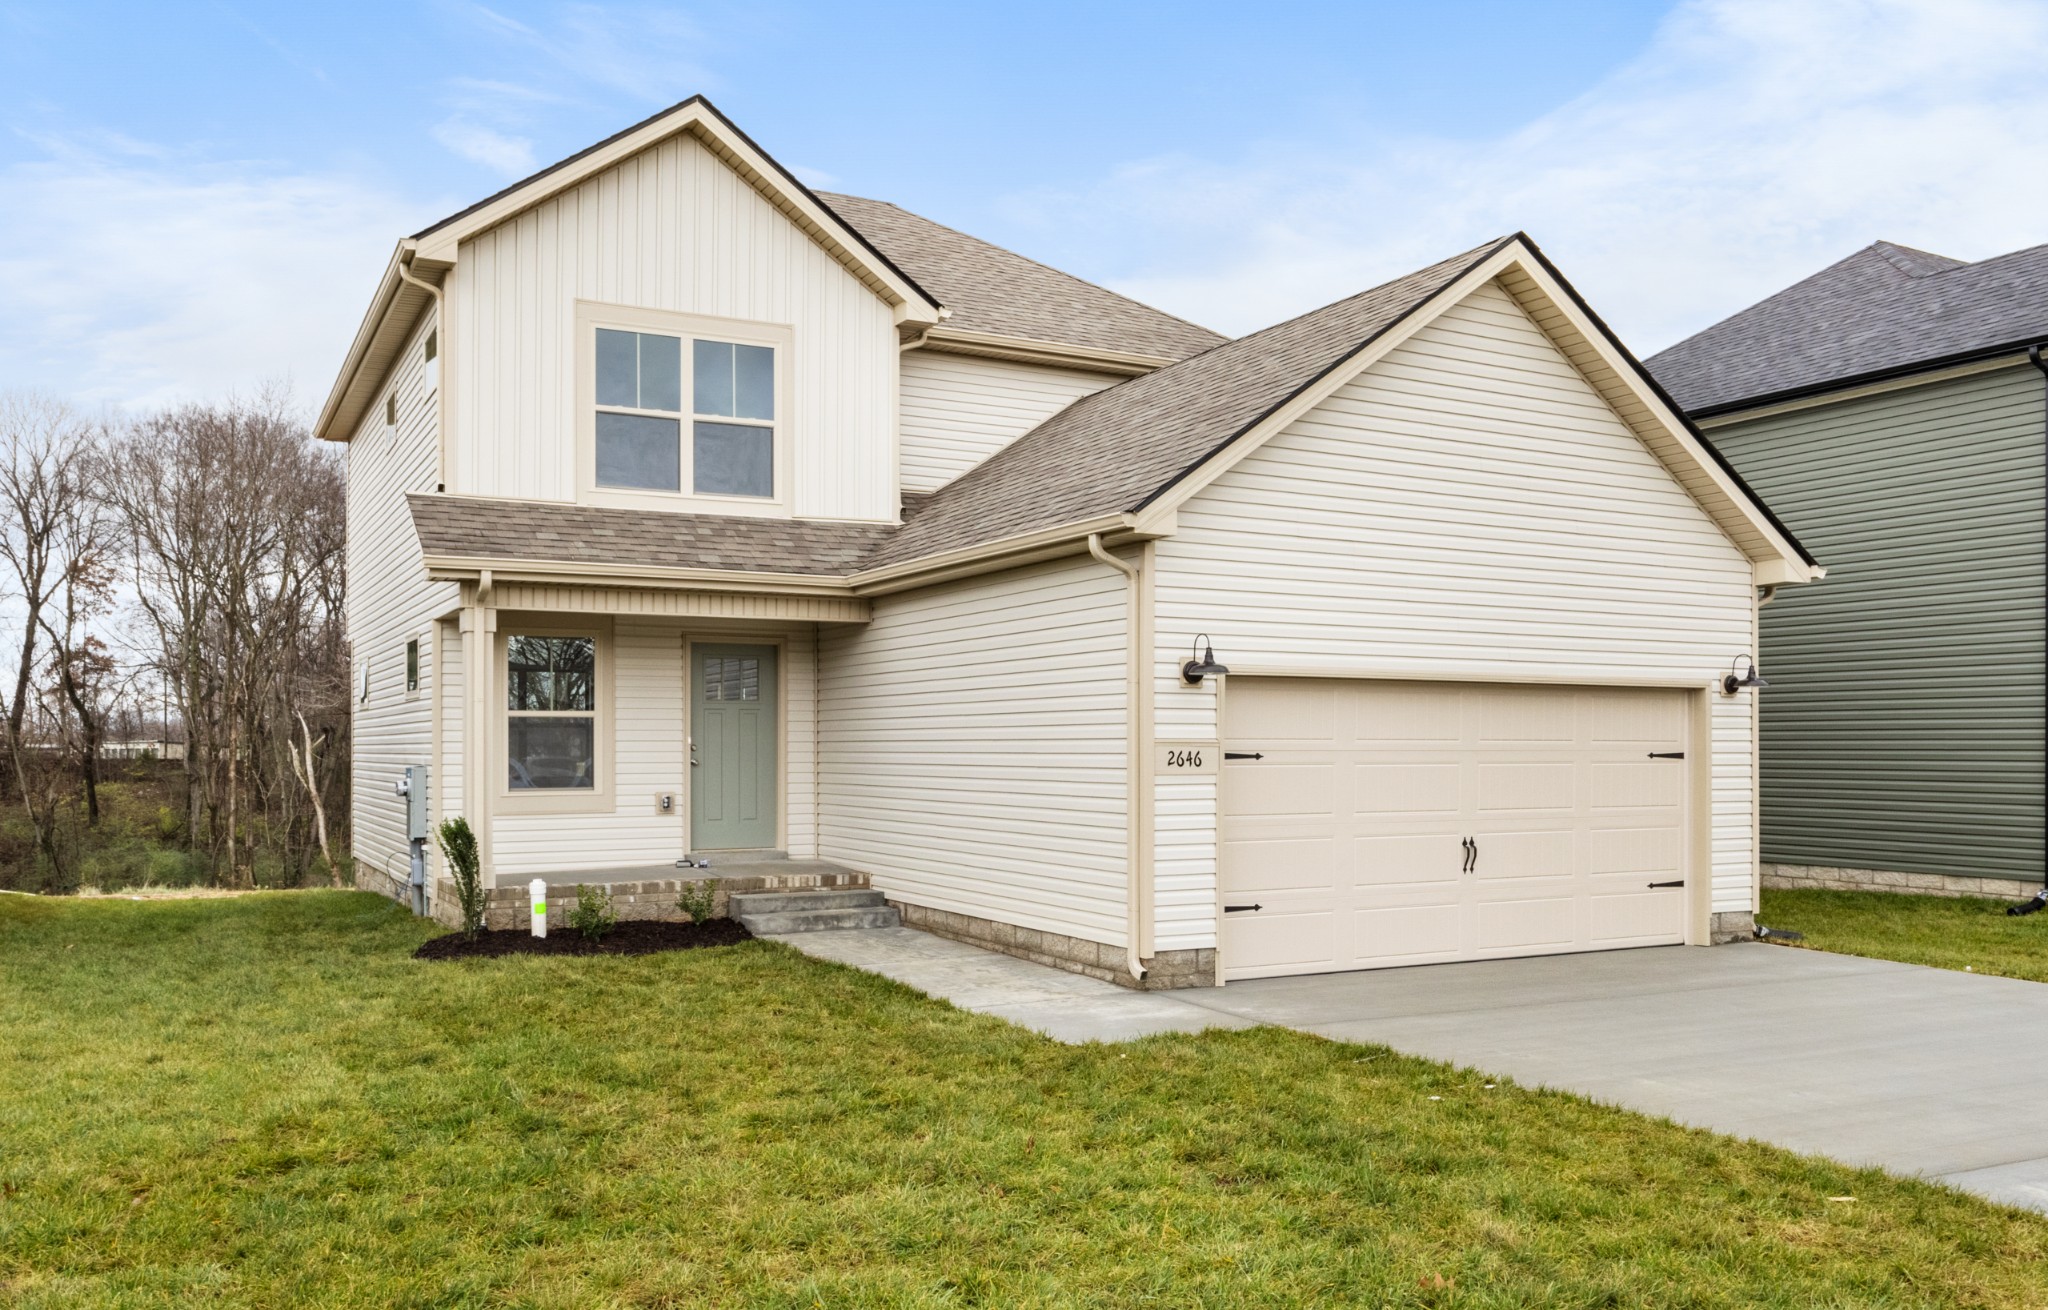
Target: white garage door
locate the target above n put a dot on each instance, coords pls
(1368, 824)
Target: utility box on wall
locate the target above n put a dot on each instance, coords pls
(418, 819)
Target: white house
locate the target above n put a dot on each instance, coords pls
(696, 513)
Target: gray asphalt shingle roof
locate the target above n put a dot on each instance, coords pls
(1883, 309)
(990, 289)
(468, 527)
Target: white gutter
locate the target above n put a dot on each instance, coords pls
(1135, 689)
(406, 275)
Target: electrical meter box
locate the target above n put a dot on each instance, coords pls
(417, 822)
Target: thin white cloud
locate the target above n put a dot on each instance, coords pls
(510, 155)
(1749, 145)
(139, 277)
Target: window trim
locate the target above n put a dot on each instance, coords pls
(507, 799)
(592, 315)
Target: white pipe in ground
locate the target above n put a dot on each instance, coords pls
(538, 891)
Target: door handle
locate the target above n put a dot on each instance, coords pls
(1471, 854)
(1238, 909)
(1679, 882)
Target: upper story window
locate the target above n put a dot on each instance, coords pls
(640, 422)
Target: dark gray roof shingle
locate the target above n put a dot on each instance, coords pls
(465, 527)
(1885, 308)
(993, 290)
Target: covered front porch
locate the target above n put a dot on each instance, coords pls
(629, 736)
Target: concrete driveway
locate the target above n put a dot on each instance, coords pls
(1921, 1071)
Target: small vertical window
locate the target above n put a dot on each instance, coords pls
(412, 665)
(391, 410)
(364, 695)
(430, 368)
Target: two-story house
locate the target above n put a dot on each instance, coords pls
(1888, 405)
(696, 514)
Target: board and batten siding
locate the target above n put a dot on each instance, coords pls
(390, 602)
(973, 754)
(1468, 503)
(671, 228)
(957, 410)
(1903, 727)
(650, 755)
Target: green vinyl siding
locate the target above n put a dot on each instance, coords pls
(1902, 729)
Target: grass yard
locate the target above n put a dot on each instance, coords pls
(262, 1101)
(1946, 932)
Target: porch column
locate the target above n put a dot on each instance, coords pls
(479, 647)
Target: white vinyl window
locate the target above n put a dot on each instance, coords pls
(550, 713)
(722, 444)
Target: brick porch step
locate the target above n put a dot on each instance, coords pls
(770, 913)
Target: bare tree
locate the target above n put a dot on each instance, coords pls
(233, 518)
(46, 456)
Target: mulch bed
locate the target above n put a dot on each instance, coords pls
(632, 937)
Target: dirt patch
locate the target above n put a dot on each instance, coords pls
(633, 937)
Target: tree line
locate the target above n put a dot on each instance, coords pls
(172, 587)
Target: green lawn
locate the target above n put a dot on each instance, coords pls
(1946, 932)
(263, 1102)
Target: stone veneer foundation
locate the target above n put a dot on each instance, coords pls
(1732, 926)
(1793, 876)
(1163, 972)
(507, 907)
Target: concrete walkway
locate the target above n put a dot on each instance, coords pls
(1921, 1071)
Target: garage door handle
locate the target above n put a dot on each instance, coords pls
(1667, 755)
(1677, 883)
(1244, 755)
(1233, 909)
(1471, 854)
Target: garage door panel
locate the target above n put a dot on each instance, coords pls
(1636, 918)
(1409, 789)
(1412, 715)
(1653, 719)
(1635, 850)
(1524, 717)
(1523, 923)
(1404, 934)
(1505, 788)
(1280, 942)
(1349, 832)
(1305, 790)
(1632, 786)
(1295, 712)
(1551, 853)
(1406, 860)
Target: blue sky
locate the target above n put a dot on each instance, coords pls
(197, 197)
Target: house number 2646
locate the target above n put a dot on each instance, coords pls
(1187, 757)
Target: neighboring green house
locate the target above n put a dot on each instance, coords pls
(1887, 409)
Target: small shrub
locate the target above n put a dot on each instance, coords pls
(697, 899)
(593, 915)
(458, 847)
(176, 869)
(170, 826)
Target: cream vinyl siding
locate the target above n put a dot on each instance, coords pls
(390, 602)
(959, 409)
(974, 754)
(672, 229)
(1468, 504)
(649, 757)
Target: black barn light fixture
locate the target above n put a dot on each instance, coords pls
(1737, 677)
(1204, 666)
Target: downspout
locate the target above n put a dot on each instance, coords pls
(1133, 691)
(2040, 900)
(405, 274)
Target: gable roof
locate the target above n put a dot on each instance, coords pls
(1117, 461)
(991, 292)
(1114, 451)
(1887, 309)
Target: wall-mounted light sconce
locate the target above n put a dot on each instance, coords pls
(1203, 666)
(1737, 677)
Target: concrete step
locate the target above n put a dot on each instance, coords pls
(774, 922)
(824, 898)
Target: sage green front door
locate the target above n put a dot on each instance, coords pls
(734, 770)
